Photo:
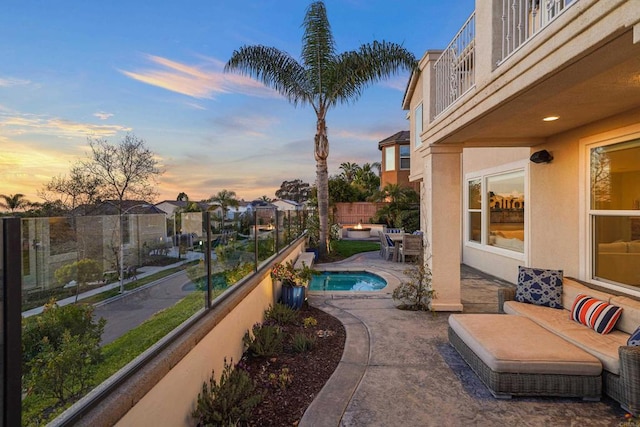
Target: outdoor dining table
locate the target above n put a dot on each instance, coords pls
(397, 239)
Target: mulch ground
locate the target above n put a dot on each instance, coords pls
(290, 381)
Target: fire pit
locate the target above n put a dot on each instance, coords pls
(359, 232)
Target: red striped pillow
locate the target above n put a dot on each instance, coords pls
(598, 315)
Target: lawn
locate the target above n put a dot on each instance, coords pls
(342, 249)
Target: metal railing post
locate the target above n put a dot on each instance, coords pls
(255, 237)
(11, 284)
(207, 256)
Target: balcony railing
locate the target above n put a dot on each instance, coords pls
(522, 19)
(455, 68)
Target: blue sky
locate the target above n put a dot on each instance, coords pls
(70, 70)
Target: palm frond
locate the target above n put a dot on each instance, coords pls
(275, 69)
(318, 45)
(371, 63)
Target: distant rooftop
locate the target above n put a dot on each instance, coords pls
(401, 137)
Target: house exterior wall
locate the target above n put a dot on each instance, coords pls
(581, 66)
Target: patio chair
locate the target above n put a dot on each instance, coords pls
(386, 246)
(411, 246)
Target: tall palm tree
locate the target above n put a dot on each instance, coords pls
(322, 79)
(225, 199)
(13, 202)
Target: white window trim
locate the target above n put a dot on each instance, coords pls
(522, 165)
(586, 236)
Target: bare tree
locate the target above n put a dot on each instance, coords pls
(79, 188)
(125, 171)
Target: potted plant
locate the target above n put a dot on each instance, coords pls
(294, 282)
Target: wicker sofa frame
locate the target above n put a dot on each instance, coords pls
(624, 388)
(503, 385)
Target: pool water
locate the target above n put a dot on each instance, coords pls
(347, 281)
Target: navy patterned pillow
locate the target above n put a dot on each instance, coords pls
(539, 287)
(634, 339)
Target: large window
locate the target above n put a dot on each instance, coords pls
(405, 157)
(495, 210)
(614, 211)
(390, 158)
(418, 118)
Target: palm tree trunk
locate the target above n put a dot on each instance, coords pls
(321, 152)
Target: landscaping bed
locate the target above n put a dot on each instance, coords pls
(290, 381)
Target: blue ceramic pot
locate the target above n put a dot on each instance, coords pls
(293, 296)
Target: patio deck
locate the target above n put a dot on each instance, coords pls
(398, 367)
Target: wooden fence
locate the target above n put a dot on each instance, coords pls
(353, 213)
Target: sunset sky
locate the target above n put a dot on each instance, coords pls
(70, 70)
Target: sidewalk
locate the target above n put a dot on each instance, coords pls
(142, 273)
(398, 369)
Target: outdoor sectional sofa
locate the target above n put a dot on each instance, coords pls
(536, 350)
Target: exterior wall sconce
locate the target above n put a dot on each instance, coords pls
(542, 156)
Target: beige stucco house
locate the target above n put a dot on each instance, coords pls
(554, 79)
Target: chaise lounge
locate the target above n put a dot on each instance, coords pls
(535, 349)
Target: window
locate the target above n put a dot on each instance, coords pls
(405, 157)
(418, 118)
(495, 209)
(614, 211)
(390, 158)
(506, 210)
(475, 210)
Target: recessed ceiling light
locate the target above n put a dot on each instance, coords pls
(550, 118)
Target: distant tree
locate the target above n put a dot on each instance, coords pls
(295, 190)
(402, 208)
(340, 191)
(265, 198)
(349, 171)
(225, 199)
(182, 197)
(367, 179)
(81, 187)
(125, 171)
(323, 79)
(47, 209)
(14, 202)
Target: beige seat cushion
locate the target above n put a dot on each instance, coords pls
(630, 318)
(571, 289)
(603, 347)
(516, 344)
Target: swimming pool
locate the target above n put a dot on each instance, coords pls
(347, 281)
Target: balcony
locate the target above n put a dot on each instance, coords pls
(515, 62)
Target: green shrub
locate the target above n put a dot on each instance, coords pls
(282, 380)
(266, 340)
(282, 314)
(60, 350)
(82, 271)
(302, 342)
(309, 322)
(229, 402)
(417, 293)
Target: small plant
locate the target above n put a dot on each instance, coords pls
(281, 314)
(309, 322)
(282, 380)
(290, 276)
(229, 402)
(265, 340)
(417, 293)
(302, 342)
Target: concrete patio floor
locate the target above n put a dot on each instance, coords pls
(398, 368)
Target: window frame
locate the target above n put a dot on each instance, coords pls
(483, 175)
(591, 214)
(406, 157)
(390, 149)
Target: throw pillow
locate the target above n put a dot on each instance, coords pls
(634, 339)
(539, 287)
(598, 315)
